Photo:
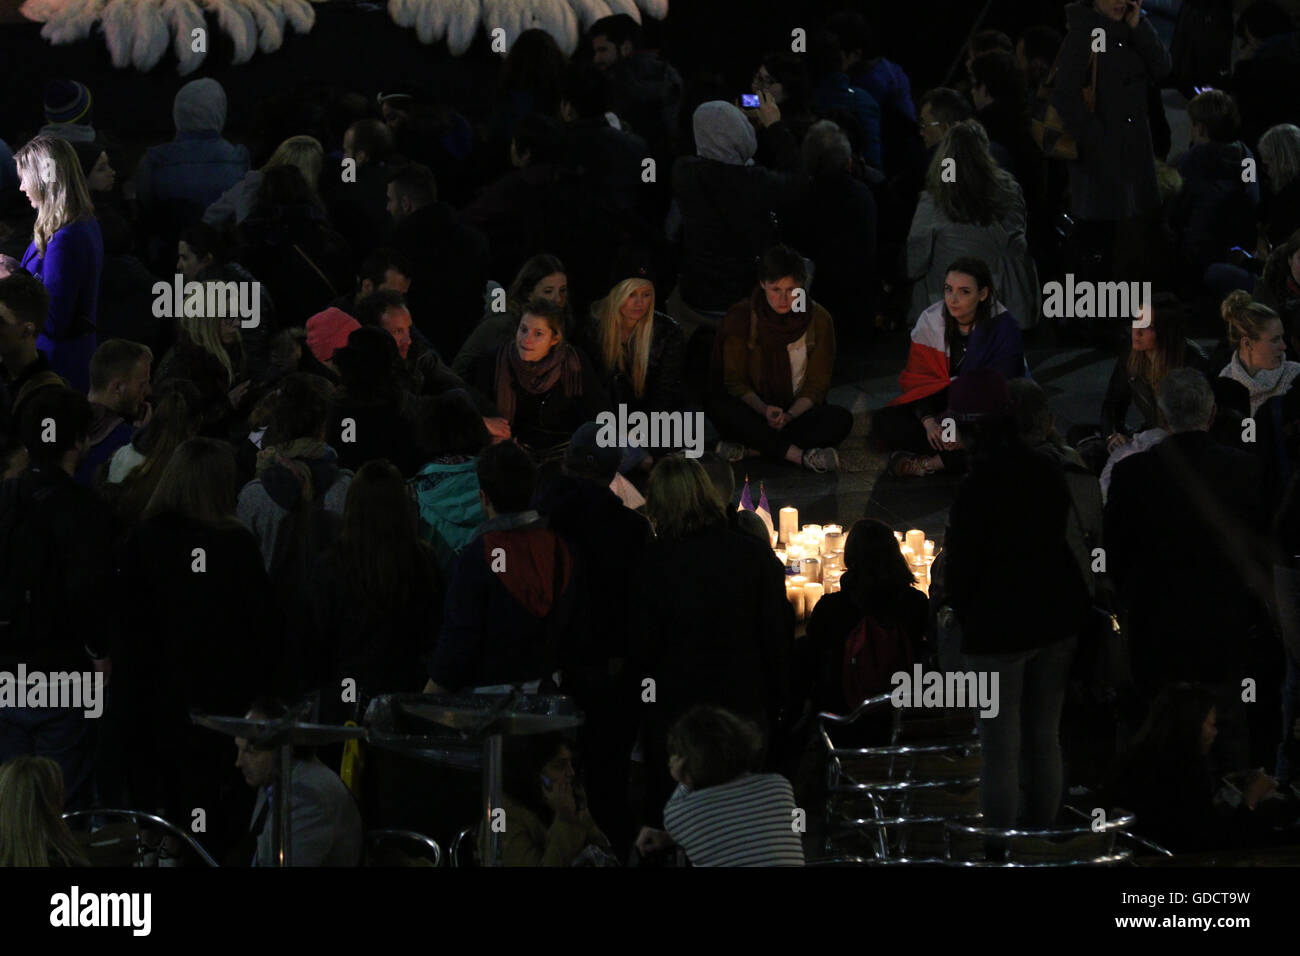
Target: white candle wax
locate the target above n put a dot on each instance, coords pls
(795, 595)
(812, 593)
(812, 569)
(773, 536)
(789, 523)
(916, 540)
(929, 548)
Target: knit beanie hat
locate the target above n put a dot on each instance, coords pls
(328, 331)
(67, 101)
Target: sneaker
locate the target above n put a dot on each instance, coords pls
(905, 464)
(730, 451)
(821, 460)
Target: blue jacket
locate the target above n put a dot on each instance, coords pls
(70, 269)
(449, 507)
(836, 93)
(196, 167)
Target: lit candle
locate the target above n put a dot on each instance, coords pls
(789, 523)
(834, 541)
(831, 581)
(780, 556)
(916, 540)
(773, 535)
(833, 561)
(795, 595)
(812, 569)
(907, 553)
(812, 593)
(929, 548)
(899, 536)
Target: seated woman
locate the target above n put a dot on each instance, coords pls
(32, 831)
(540, 384)
(451, 437)
(547, 820)
(134, 470)
(968, 330)
(877, 584)
(209, 352)
(1258, 344)
(541, 276)
(722, 812)
(1166, 780)
(640, 353)
(772, 363)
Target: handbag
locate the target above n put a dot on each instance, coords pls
(1046, 125)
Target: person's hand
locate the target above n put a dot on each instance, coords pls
(650, 840)
(1115, 441)
(145, 415)
(934, 433)
(1258, 786)
(1134, 14)
(560, 798)
(236, 394)
(768, 111)
(498, 428)
(775, 416)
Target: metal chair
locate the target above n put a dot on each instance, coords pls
(464, 848)
(977, 846)
(401, 848)
(900, 822)
(124, 843)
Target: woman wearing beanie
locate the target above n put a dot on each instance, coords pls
(1258, 349)
(68, 108)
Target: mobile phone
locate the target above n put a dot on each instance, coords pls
(749, 101)
(546, 782)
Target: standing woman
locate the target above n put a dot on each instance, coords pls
(66, 253)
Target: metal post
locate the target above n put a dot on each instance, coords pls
(492, 760)
(283, 809)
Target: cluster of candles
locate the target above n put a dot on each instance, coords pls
(814, 559)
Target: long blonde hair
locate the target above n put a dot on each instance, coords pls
(205, 332)
(51, 166)
(32, 831)
(609, 325)
(681, 500)
(304, 153)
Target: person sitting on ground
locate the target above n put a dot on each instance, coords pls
(209, 352)
(32, 830)
(1279, 287)
(722, 812)
(772, 364)
(1258, 343)
(370, 419)
(134, 472)
(119, 398)
(325, 823)
(548, 822)
(236, 204)
(451, 437)
(969, 330)
(420, 369)
(723, 478)
(541, 276)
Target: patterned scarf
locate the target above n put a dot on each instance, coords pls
(772, 333)
(292, 457)
(561, 365)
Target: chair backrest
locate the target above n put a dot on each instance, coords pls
(117, 838)
(464, 848)
(972, 845)
(852, 769)
(902, 820)
(401, 848)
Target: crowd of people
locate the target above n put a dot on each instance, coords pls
(326, 429)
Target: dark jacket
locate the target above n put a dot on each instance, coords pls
(1215, 210)
(1011, 578)
(665, 385)
(17, 390)
(358, 209)
(1189, 602)
(835, 226)
(713, 626)
(646, 91)
(108, 432)
(609, 159)
(192, 362)
(1281, 212)
(730, 216)
(543, 421)
(507, 626)
(1125, 389)
(380, 430)
(1114, 177)
(300, 259)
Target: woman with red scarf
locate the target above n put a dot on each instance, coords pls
(539, 383)
(772, 363)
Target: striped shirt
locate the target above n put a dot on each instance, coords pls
(747, 822)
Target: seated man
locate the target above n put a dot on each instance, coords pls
(325, 822)
(512, 591)
(119, 392)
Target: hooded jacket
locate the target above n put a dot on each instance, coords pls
(1215, 209)
(198, 165)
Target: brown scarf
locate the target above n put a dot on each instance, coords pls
(561, 365)
(773, 334)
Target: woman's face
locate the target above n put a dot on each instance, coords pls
(1144, 340)
(637, 305)
(780, 294)
(1269, 350)
(764, 80)
(560, 767)
(554, 287)
(1209, 730)
(102, 175)
(188, 264)
(962, 295)
(27, 183)
(229, 330)
(535, 338)
(1115, 9)
(675, 763)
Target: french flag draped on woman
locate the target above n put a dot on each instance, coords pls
(993, 344)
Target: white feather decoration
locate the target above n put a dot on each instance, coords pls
(462, 25)
(655, 9)
(625, 6)
(554, 17)
(300, 14)
(41, 10)
(403, 12)
(431, 21)
(589, 11)
(119, 31)
(184, 17)
(269, 27)
(572, 32)
(497, 15)
(238, 25)
(73, 22)
(151, 36)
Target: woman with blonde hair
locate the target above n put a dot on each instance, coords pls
(1258, 349)
(66, 253)
(209, 352)
(304, 153)
(32, 831)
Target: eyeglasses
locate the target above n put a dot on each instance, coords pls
(764, 80)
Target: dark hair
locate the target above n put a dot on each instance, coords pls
(998, 72)
(946, 105)
(200, 482)
(507, 475)
(720, 475)
(525, 281)
(177, 417)
(205, 240)
(854, 33)
(548, 310)
(715, 745)
(978, 270)
(372, 137)
(535, 64)
(871, 552)
(70, 414)
(984, 190)
(1264, 19)
(284, 188)
(583, 89)
(115, 359)
(988, 40)
(826, 149)
(416, 182)
(26, 297)
(525, 758)
(370, 310)
(618, 29)
(376, 265)
(449, 424)
(1041, 43)
(791, 72)
(681, 500)
(272, 708)
(299, 409)
(824, 54)
(1032, 413)
(780, 261)
(1217, 112)
(540, 136)
(1168, 316)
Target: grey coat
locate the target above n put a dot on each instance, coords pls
(1114, 178)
